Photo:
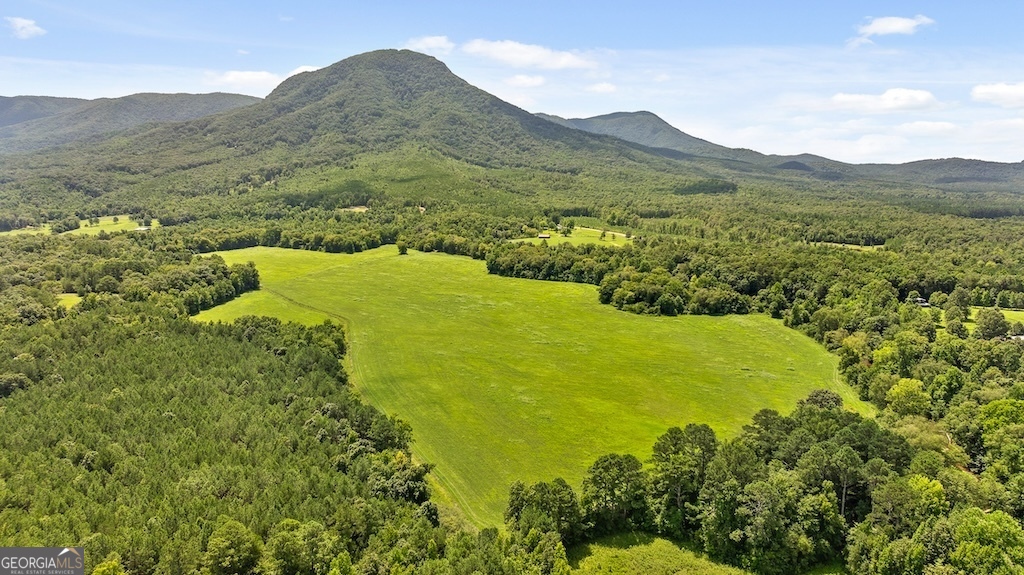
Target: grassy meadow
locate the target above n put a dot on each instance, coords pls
(582, 236)
(508, 379)
(632, 553)
(106, 224)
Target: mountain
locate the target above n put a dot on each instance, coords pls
(24, 108)
(398, 123)
(31, 123)
(379, 100)
(648, 129)
(402, 111)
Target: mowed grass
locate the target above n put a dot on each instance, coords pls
(633, 553)
(107, 224)
(509, 379)
(582, 236)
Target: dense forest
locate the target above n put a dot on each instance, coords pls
(165, 446)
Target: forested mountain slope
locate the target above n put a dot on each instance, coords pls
(17, 109)
(32, 123)
(374, 104)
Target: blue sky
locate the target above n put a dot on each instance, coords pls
(862, 81)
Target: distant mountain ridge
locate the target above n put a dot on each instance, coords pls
(34, 122)
(648, 129)
(17, 109)
(403, 108)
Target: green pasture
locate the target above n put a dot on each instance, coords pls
(582, 236)
(1012, 316)
(106, 223)
(509, 379)
(632, 553)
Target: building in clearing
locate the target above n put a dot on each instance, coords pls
(544, 236)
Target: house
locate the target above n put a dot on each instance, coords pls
(922, 302)
(544, 236)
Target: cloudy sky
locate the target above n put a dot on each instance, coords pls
(864, 81)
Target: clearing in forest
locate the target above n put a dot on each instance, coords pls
(509, 379)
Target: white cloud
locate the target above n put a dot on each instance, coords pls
(925, 128)
(887, 25)
(894, 25)
(602, 88)
(23, 28)
(250, 81)
(662, 78)
(1005, 95)
(242, 52)
(520, 55)
(892, 100)
(433, 45)
(524, 81)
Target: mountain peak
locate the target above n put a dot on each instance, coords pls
(408, 74)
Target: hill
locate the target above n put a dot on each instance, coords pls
(393, 102)
(32, 123)
(648, 129)
(24, 108)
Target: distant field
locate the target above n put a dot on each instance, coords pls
(69, 300)
(508, 379)
(855, 247)
(1011, 315)
(582, 236)
(106, 224)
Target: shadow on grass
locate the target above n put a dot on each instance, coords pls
(622, 541)
(658, 556)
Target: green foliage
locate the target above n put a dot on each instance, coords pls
(170, 424)
(990, 323)
(110, 566)
(232, 549)
(614, 494)
(706, 187)
(389, 145)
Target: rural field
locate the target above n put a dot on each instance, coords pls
(107, 224)
(506, 379)
(642, 553)
(582, 236)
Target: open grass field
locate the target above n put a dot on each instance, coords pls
(106, 224)
(68, 300)
(1011, 315)
(582, 236)
(633, 553)
(509, 379)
